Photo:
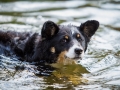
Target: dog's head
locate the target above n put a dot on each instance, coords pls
(72, 40)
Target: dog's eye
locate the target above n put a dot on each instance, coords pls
(65, 39)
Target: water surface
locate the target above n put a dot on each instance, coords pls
(99, 69)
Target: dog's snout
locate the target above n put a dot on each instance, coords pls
(78, 51)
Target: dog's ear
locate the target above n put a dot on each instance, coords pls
(89, 27)
(49, 29)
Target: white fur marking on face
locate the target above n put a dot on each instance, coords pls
(71, 52)
(74, 30)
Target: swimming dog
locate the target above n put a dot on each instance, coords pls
(53, 40)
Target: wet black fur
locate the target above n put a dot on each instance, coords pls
(34, 47)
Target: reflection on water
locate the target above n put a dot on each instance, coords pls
(99, 69)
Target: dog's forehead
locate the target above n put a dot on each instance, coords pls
(69, 29)
(74, 30)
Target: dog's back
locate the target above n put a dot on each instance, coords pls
(17, 43)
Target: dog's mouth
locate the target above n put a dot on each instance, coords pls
(75, 58)
(63, 56)
(78, 58)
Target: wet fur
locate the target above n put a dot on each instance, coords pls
(34, 47)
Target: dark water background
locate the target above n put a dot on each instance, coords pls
(99, 69)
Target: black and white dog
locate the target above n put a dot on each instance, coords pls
(54, 40)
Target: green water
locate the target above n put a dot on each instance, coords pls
(99, 69)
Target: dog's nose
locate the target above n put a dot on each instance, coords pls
(78, 51)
